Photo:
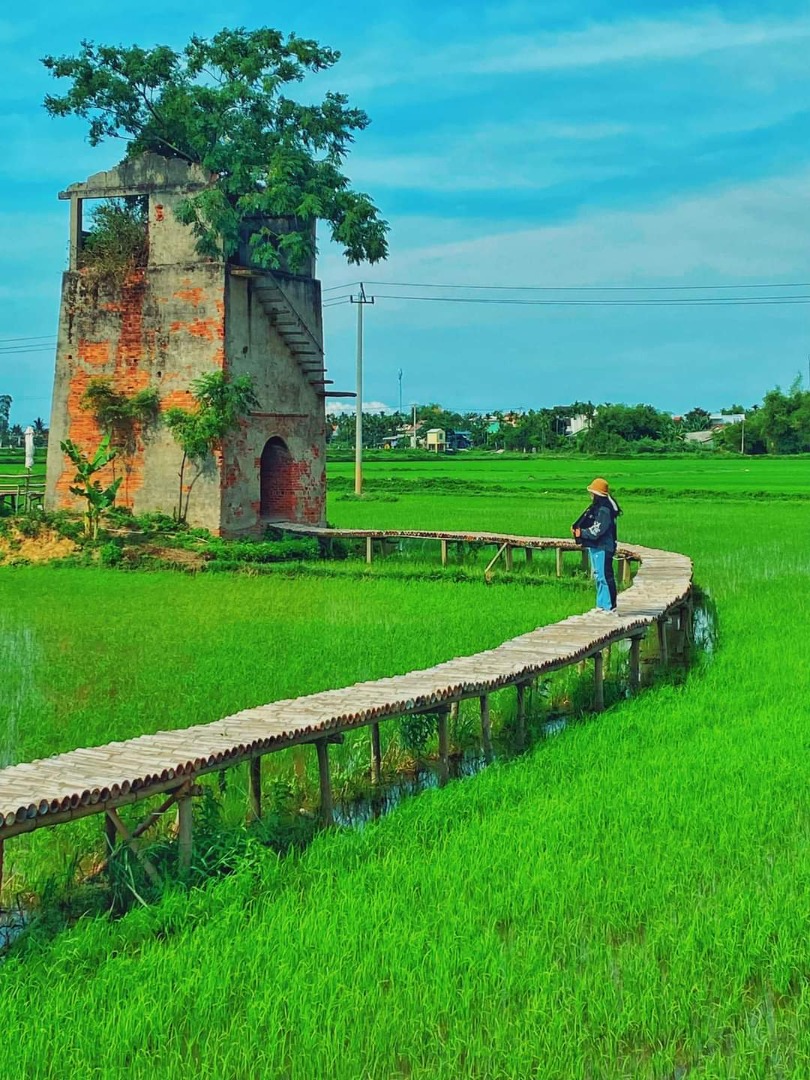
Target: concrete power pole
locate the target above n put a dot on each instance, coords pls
(413, 436)
(399, 376)
(361, 300)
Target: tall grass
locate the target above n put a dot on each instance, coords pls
(629, 900)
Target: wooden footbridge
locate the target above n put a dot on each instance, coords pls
(102, 779)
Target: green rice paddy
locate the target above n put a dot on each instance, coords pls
(627, 900)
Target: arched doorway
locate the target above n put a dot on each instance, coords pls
(277, 484)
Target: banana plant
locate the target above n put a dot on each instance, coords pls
(99, 499)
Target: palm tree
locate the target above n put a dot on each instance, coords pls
(40, 432)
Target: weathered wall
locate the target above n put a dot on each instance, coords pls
(162, 328)
(170, 322)
(289, 408)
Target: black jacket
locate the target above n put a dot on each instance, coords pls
(598, 524)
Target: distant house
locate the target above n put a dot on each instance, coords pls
(458, 440)
(436, 440)
(720, 420)
(577, 424)
(704, 437)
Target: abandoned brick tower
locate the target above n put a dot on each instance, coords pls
(168, 321)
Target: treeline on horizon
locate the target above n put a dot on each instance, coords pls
(779, 425)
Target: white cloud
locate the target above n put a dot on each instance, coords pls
(748, 232)
(631, 41)
(645, 40)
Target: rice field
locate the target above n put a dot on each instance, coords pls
(629, 899)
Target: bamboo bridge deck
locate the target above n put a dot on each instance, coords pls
(101, 779)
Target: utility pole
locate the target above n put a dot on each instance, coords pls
(361, 300)
(399, 376)
(413, 436)
(742, 436)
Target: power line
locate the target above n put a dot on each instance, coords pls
(336, 288)
(23, 351)
(700, 301)
(39, 337)
(595, 288)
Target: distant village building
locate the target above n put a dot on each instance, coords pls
(173, 319)
(721, 420)
(436, 440)
(576, 424)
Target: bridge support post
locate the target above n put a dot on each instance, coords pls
(529, 555)
(507, 555)
(376, 754)
(627, 575)
(255, 788)
(110, 834)
(521, 711)
(444, 552)
(598, 682)
(2, 852)
(444, 741)
(486, 726)
(635, 663)
(586, 562)
(327, 816)
(369, 550)
(559, 554)
(663, 646)
(185, 834)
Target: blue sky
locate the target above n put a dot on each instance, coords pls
(511, 144)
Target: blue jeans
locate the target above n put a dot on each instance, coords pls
(602, 570)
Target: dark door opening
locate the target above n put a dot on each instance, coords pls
(277, 482)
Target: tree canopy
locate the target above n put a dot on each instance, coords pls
(220, 103)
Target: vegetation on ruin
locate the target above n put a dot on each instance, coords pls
(221, 400)
(99, 498)
(118, 239)
(122, 416)
(220, 103)
(626, 900)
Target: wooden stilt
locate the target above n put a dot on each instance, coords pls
(327, 817)
(635, 663)
(598, 683)
(369, 549)
(627, 575)
(529, 555)
(486, 725)
(2, 853)
(521, 710)
(185, 835)
(444, 552)
(586, 562)
(127, 837)
(559, 554)
(376, 754)
(444, 741)
(508, 557)
(255, 788)
(110, 834)
(663, 648)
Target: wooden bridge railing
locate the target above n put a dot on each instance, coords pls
(100, 780)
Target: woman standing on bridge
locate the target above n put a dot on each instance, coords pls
(596, 531)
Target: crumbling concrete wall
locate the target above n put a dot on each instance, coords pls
(290, 409)
(168, 323)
